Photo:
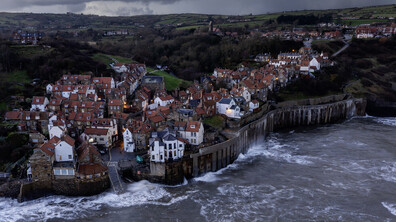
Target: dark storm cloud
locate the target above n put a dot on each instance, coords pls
(131, 7)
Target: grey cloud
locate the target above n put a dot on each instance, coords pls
(70, 2)
(121, 11)
(76, 7)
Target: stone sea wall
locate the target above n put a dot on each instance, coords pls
(213, 158)
(68, 187)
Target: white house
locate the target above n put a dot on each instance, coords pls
(102, 137)
(165, 145)
(164, 100)
(39, 103)
(254, 104)
(129, 144)
(64, 150)
(157, 151)
(48, 88)
(193, 132)
(246, 94)
(119, 67)
(107, 123)
(314, 64)
(57, 131)
(228, 107)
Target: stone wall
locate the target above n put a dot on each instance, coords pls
(68, 187)
(218, 156)
(81, 187)
(313, 101)
(258, 125)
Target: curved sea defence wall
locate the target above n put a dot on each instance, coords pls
(218, 156)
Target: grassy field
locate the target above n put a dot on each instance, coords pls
(106, 59)
(30, 51)
(15, 77)
(361, 21)
(171, 82)
(215, 121)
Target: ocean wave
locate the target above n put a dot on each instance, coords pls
(271, 149)
(214, 176)
(389, 121)
(390, 207)
(69, 208)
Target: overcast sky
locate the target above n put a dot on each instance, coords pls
(138, 7)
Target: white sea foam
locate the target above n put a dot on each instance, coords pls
(274, 150)
(214, 176)
(70, 208)
(271, 149)
(390, 121)
(391, 207)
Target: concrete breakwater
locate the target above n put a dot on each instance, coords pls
(216, 157)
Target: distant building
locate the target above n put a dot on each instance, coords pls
(263, 57)
(39, 103)
(153, 83)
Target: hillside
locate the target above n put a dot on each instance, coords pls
(76, 22)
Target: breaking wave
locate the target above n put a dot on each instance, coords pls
(390, 207)
(69, 208)
(389, 121)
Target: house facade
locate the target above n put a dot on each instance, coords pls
(129, 144)
(228, 107)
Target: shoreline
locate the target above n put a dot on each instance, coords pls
(215, 157)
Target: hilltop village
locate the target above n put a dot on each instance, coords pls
(81, 119)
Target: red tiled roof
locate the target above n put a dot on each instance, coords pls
(95, 131)
(54, 140)
(115, 102)
(13, 115)
(157, 119)
(193, 126)
(38, 100)
(69, 140)
(47, 148)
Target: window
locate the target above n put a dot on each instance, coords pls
(174, 145)
(57, 172)
(64, 172)
(101, 139)
(161, 157)
(180, 145)
(70, 157)
(152, 148)
(153, 157)
(174, 152)
(71, 172)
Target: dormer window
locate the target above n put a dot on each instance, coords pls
(192, 126)
(37, 100)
